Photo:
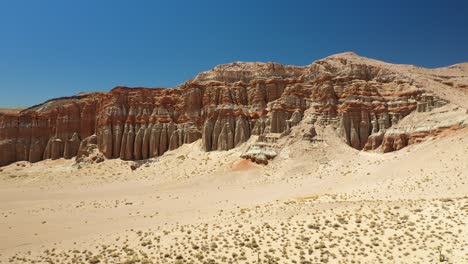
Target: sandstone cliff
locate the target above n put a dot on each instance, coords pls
(363, 98)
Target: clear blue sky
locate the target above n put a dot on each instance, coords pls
(58, 48)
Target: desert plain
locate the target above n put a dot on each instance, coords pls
(320, 202)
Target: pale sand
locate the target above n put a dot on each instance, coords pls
(315, 203)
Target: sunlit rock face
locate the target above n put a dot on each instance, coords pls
(223, 107)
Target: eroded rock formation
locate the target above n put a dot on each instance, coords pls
(259, 153)
(363, 98)
(420, 126)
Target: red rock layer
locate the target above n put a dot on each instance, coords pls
(224, 107)
(394, 142)
(129, 123)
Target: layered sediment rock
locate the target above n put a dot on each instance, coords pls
(418, 127)
(363, 98)
(71, 146)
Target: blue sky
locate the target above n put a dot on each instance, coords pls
(63, 47)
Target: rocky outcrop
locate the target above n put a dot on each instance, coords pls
(174, 140)
(418, 127)
(311, 134)
(88, 151)
(87, 146)
(71, 146)
(242, 132)
(278, 120)
(259, 153)
(429, 102)
(226, 138)
(224, 106)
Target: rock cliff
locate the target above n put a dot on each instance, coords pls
(224, 106)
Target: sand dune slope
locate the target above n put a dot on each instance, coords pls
(316, 202)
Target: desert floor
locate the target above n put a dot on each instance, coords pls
(317, 202)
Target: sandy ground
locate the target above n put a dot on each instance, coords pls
(316, 202)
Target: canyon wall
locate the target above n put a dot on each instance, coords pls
(223, 107)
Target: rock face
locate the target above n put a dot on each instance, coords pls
(71, 146)
(420, 126)
(363, 98)
(127, 123)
